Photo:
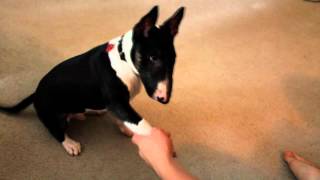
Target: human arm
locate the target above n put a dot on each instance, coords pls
(157, 150)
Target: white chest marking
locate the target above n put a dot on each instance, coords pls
(129, 75)
(125, 69)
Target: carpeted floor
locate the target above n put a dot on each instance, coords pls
(247, 87)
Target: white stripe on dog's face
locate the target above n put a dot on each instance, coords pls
(161, 93)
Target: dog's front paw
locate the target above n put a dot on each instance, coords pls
(72, 147)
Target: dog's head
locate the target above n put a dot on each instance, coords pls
(153, 53)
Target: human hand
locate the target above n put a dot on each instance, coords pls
(156, 149)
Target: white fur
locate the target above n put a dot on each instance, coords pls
(125, 70)
(127, 47)
(71, 146)
(143, 127)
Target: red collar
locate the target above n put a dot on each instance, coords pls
(109, 47)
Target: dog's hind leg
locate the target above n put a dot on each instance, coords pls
(76, 116)
(56, 123)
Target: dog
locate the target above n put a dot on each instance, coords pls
(108, 77)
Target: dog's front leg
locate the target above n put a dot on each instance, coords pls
(117, 98)
(124, 130)
(131, 120)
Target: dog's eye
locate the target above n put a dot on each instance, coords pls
(153, 58)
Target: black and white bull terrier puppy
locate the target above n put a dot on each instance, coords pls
(108, 77)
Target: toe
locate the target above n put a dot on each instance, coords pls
(69, 150)
(75, 151)
(78, 148)
(72, 147)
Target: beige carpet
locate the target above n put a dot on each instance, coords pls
(247, 87)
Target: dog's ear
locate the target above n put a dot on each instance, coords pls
(172, 24)
(148, 21)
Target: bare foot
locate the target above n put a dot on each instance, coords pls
(301, 168)
(71, 146)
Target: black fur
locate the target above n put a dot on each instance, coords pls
(20, 106)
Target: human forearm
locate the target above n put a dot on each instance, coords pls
(171, 170)
(158, 151)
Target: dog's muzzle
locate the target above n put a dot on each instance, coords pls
(161, 93)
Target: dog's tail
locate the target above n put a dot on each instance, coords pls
(20, 106)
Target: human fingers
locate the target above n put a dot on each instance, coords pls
(136, 138)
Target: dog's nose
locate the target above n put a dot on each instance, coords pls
(162, 99)
(161, 93)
